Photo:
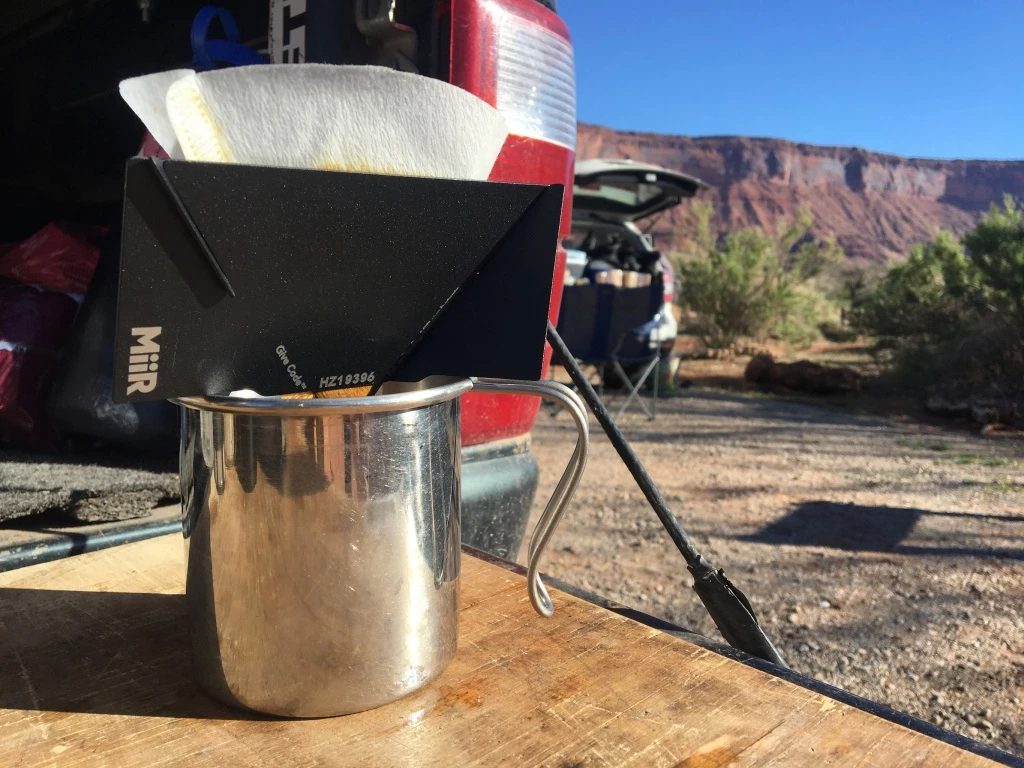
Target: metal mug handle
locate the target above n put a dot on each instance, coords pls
(567, 484)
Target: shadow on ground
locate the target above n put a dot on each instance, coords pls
(857, 528)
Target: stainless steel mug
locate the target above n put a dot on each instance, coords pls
(323, 542)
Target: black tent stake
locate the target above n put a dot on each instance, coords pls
(726, 604)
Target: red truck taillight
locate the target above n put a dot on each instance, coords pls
(534, 76)
(517, 56)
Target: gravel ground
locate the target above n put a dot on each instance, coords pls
(885, 558)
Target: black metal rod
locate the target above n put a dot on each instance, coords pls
(725, 603)
(679, 537)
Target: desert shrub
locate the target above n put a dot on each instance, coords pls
(755, 284)
(852, 281)
(951, 317)
(809, 309)
(929, 300)
(996, 249)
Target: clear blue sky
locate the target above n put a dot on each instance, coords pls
(925, 78)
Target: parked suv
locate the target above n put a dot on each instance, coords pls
(609, 198)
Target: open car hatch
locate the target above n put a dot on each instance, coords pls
(624, 190)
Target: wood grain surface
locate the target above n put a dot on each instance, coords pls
(94, 670)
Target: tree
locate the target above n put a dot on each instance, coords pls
(996, 248)
(754, 284)
(932, 297)
(854, 281)
(954, 311)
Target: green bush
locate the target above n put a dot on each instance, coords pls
(800, 325)
(996, 249)
(754, 284)
(952, 315)
(852, 282)
(930, 299)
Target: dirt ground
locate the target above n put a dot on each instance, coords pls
(883, 556)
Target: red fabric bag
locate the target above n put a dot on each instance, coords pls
(54, 258)
(42, 280)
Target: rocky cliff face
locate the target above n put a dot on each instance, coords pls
(876, 205)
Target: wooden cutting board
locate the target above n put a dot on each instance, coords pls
(94, 670)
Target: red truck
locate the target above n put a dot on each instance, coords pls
(516, 55)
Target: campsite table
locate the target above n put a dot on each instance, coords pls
(94, 670)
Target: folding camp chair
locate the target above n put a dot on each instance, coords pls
(607, 327)
(637, 346)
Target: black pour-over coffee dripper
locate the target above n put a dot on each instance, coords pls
(281, 280)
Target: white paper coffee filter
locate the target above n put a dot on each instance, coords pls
(345, 118)
(147, 96)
